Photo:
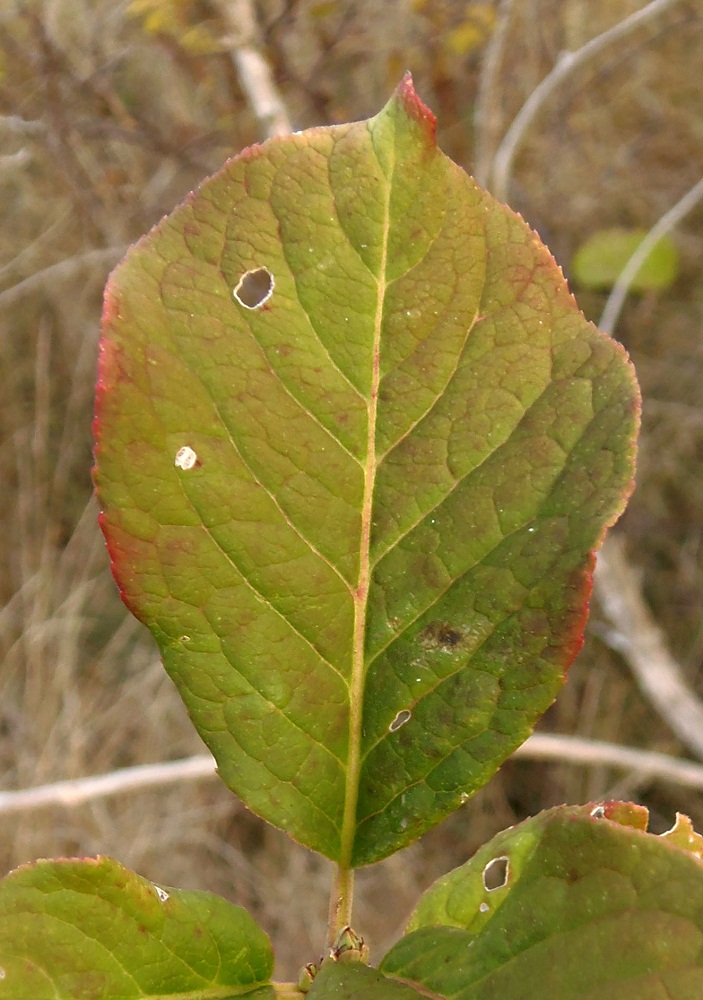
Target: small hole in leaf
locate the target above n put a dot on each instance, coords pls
(484, 908)
(254, 288)
(161, 893)
(2, 973)
(598, 812)
(185, 458)
(496, 874)
(405, 715)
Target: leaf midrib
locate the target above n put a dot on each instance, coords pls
(361, 592)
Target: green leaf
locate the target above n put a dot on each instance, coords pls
(599, 261)
(593, 908)
(359, 516)
(355, 981)
(83, 929)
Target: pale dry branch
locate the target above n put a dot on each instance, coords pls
(591, 753)
(639, 639)
(15, 161)
(540, 746)
(642, 644)
(567, 64)
(254, 72)
(487, 113)
(668, 222)
(16, 125)
(61, 271)
(127, 779)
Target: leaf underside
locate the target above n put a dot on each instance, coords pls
(593, 908)
(359, 516)
(78, 929)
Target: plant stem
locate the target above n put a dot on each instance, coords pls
(341, 901)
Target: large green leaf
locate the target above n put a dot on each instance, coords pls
(358, 516)
(355, 981)
(582, 904)
(83, 929)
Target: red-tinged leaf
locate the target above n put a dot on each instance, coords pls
(355, 447)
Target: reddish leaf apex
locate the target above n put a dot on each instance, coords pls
(415, 109)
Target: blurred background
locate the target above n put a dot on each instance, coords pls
(110, 112)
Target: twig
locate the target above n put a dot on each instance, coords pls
(642, 644)
(103, 786)
(640, 640)
(486, 116)
(566, 66)
(253, 71)
(668, 221)
(13, 161)
(540, 746)
(587, 753)
(60, 271)
(15, 125)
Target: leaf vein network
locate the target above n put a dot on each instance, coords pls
(462, 480)
(277, 709)
(258, 592)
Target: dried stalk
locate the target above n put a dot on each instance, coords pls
(567, 64)
(642, 644)
(540, 746)
(243, 40)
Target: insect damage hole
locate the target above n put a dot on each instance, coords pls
(598, 812)
(254, 288)
(185, 458)
(496, 874)
(161, 893)
(405, 715)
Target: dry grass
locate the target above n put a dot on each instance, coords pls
(111, 127)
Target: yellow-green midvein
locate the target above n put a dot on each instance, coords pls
(342, 890)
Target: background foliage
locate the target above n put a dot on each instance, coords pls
(111, 112)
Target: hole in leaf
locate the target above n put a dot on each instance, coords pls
(185, 458)
(403, 716)
(484, 908)
(2, 973)
(254, 288)
(161, 893)
(598, 812)
(496, 874)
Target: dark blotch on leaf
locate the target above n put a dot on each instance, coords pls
(440, 635)
(254, 288)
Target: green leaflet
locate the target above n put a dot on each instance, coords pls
(355, 448)
(80, 929)
(592, 908)
(599, 262)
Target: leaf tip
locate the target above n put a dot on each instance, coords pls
(417, 110)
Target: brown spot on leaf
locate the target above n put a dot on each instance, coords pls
(440, 635)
